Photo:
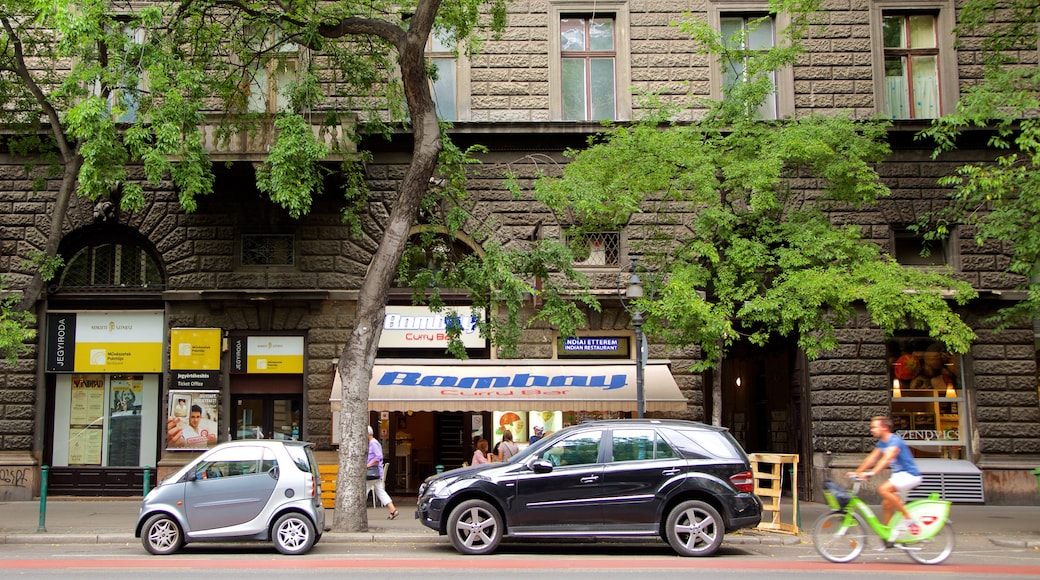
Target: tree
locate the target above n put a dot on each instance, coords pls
(735, 250)
(142, 78)
(999, 199)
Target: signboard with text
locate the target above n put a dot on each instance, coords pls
(420, 327)
(105, 342)
(267, 354)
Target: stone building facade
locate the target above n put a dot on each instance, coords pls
(241, 267)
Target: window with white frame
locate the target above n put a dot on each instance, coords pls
(451, 87)
(748, 33)
(915, 66)
(272, 76)
(589, 74)
(747, 27)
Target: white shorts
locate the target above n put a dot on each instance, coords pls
(904, 481)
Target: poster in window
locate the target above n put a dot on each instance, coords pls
(191, 423)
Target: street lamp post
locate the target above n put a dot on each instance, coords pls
(635, 292)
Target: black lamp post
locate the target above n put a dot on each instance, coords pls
(635, 292)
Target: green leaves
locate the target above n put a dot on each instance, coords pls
(292, 173)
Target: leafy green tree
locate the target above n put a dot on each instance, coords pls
(128, 85)
(734, 249)
(999, 200)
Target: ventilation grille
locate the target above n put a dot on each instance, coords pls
(952, 480)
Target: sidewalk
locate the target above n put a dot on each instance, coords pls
(91, 520)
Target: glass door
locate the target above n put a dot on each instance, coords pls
(267, 417)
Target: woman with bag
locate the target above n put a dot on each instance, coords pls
(375, 467)
(506, 447)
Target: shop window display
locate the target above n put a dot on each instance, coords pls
(927, 397)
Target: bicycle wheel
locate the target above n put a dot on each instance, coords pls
(934, 550)
(836, 541)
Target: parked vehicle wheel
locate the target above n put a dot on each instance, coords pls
(695, 528)
(293, 534)
(475, 527)
(161, 535)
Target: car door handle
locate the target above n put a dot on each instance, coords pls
(672, 471)
(590, 479)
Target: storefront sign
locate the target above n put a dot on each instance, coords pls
(194, 349)
(267, 354)
(114, 342)
(196, 379)
(593, 346)
(516, 385)
(419, 327)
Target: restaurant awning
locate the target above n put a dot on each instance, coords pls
(516, 385)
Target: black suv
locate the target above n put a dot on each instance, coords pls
(685, 482)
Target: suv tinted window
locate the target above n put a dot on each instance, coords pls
(706, 444)
(579, 449)
(639, 444)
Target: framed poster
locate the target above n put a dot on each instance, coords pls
(191, 422)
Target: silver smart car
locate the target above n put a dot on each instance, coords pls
(250, 490)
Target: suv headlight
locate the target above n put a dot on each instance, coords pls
(435, 488)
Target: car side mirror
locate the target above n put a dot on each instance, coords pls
(540, 466)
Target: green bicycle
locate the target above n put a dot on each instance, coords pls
(841, 535)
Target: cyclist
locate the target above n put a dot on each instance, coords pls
(891, 451)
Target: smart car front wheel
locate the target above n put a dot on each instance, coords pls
(161, 535)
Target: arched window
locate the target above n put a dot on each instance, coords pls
(108, 265)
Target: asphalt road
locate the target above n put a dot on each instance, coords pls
(513, 561)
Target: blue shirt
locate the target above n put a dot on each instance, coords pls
(904, 460)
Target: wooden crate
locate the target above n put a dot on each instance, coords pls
(769, 477)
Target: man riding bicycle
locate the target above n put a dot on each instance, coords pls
(891, 451)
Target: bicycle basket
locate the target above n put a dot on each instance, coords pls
(837, 496)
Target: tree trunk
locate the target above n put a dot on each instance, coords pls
(359, 353)
(716, 394)
(34, 290)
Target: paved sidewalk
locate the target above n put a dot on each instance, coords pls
(74, 520)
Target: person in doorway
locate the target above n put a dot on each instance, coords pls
(538, 431)
(378, 486)
(480, 453)
(506, 447)
(891, 451)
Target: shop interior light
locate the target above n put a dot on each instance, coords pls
(950, 391)
(896, 392)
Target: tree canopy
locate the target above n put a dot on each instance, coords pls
(999, 200)
(731, 218)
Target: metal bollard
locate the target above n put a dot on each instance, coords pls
(147, 479)
(42, 527)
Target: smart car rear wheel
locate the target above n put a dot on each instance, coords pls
(475, 527)
(293, 534)
(695, 528)
(161, 535)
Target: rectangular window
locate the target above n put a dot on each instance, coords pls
(911, 249)
(927, 397)
(749, 33)
(109, 420)
(268, 250)
(598, 249)
(587, 52)
(911, 66)
(445, 87)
